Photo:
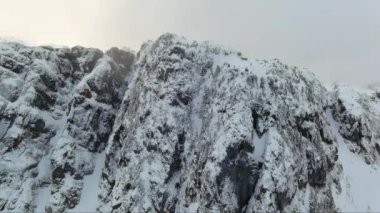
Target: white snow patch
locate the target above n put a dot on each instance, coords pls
(42, 198)
(43, 193)
(359, 182)
(193, 207)
(352, 96)
(196, 122)
(260, 144)
(89, 196)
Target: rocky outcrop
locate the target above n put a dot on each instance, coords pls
(203, 129)
(58, 107)
(185, 127)
(357, 110)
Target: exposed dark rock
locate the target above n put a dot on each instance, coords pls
(58, 173)
(178, 51)
(86, 93)
(11, 64)
(176, 163)
(43, 100)
(241, 171)
(316, 170)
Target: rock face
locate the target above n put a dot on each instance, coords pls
(57, 110)
(184, 127)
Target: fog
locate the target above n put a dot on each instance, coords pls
(337, 40)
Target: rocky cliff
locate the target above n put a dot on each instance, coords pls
(180, 126)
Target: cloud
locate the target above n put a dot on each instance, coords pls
(338, 40)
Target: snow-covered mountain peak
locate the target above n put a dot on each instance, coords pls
(181, 126)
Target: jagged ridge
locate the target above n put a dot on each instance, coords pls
(199, 128)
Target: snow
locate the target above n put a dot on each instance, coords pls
(36, 155)
(43, 193)
(218, 117)
(260, 145)
(42, 198)
(237, 62)
(15, 131)
(353, 98)
(15, 160)
(89, 196)
(193, 207)
(360, 181)
(44, 170)
(196, 124)
(196, 120)
(102, 67)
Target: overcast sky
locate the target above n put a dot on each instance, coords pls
(338, 40)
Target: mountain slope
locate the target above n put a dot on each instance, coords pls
(181, 126)
(57, 111)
